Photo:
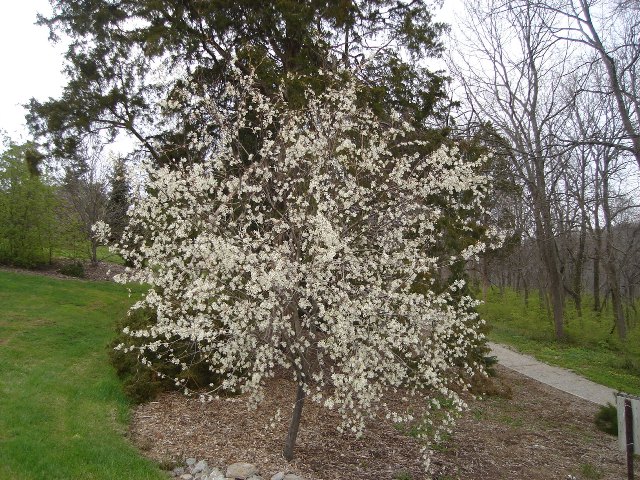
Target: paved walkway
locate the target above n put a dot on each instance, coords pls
(556, 377)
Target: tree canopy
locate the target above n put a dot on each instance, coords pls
(125, 56)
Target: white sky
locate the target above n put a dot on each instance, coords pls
(31, 65)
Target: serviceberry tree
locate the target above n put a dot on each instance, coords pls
(312, 256)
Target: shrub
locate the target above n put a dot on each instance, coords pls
(607, 419)
(74, 269)
(143, 383)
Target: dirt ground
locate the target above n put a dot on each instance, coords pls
(99, 271)
(538, 434)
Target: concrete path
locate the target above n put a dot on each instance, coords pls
(556, 377)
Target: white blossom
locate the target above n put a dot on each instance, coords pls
(315, 255)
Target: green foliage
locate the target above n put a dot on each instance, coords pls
(72, 269)
(589, 472)
(28, 227)
(607, 419)
(113, 85)
(590, 349)
(62, 411)
(142, 383)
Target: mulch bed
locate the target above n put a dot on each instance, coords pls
(538, 434)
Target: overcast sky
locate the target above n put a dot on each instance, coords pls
(31, 65)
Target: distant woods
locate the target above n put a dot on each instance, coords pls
(552, 88)
(47, 213)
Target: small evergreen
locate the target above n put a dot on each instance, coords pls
(119, 198)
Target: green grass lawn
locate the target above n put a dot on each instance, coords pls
(83, 252)
(590, 349)
(62, 411)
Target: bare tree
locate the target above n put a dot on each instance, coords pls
(611, 32)
(512, 71)
(84, 193)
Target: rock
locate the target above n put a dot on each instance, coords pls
(215, 474)
(241, 471)
(255, 477)
(199, 467)
(291, 476)
(191, 462)
(186, 476)
(176, 472)
(278, 476)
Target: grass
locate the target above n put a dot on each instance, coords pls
(62, 411)
(590, 472)
(83, 252)
(590, 349)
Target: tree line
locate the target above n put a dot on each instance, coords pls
(552, 88)
(46, 213)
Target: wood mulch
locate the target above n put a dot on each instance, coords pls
(538, 434)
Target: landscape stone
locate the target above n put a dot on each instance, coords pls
(200, 470)
(241, 471)
(215, 474)
(201, 466)
(176, 472)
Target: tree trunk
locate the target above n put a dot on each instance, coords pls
(292, 434)
(579, 267)
(485, 277)
(94, 252)
(613, 275)
(616, 297)
(597, 248)
(548, 250)
(596, 278)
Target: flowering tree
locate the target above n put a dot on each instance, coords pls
(310, 252)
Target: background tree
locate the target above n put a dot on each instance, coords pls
(610, 30)
(519, 90)
(27, 208)
(119, 198)
(84, 199)
(125, 56)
